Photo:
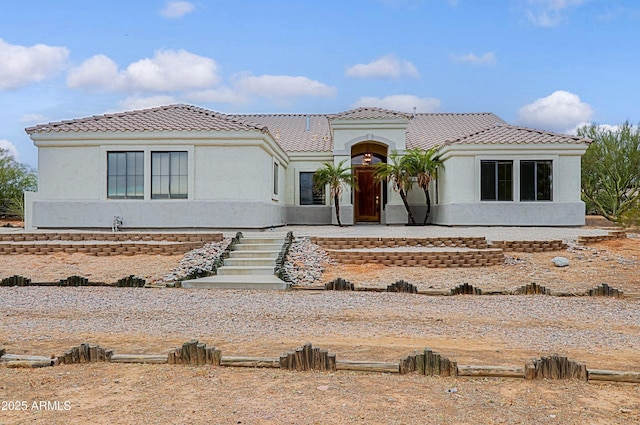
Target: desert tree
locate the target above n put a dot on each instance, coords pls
(15, 179)
(611, 170)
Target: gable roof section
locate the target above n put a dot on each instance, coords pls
(164, 118)
(312, 132)
(427, 131)
(292, 132)
(510, 134)
(368, 113)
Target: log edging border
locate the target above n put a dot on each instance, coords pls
(308, 358)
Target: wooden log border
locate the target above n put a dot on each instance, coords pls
(605, 290)
(532, 289)
(340, 284)
(308, 358)
(402, 286)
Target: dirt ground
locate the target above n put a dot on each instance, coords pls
(164, 394)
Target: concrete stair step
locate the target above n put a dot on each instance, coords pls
(251, 261)
(237, 282)
(246, 270)
(254, 254)
(259, 240)
(258, 247)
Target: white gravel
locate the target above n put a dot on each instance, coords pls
(539, 323)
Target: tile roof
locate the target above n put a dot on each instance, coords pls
(510, 134)
(311, 132)
(368, 113)
(431, 130)
(163, 118)
(291, 133)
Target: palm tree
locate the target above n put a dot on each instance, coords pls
(424, 165)
(397, 171)
(337, 177)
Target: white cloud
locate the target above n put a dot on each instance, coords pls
(549, 13)
(20, 65)
(218, 95)
(282, 87)
(34, 119)
(95, 74)
(488, 58)
(167, 71)
(132, 103)
(400, 102)
(10, 148)
(177, 9)
(561, 111)
(387, 66)
(171, 70)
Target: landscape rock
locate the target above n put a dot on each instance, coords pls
(197, 260)
(560, 261)
(306, 261)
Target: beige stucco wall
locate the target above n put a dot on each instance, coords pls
(70, 173)
(459, 187)
(230, 178)
(233, 173)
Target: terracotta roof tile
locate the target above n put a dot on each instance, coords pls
(368, 113)
(295, 132)
(163, 118)
(431, 130)
(311, 132)
(510, 134)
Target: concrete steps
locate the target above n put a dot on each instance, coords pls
(237, 282)
(250, 266)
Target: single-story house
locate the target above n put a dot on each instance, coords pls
(181, 166)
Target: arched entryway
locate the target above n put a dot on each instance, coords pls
(369, 199)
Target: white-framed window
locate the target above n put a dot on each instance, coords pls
(536, 180)
(309, 194)
(496, 180)
(125, 175)
(169, 175)
(276, 168)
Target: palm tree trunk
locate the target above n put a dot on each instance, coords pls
(407, 207)
(336, 201)
(428, 213)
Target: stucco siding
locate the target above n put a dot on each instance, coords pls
(510, 214)
(232, 172)
(71, 173)
(157, 214)
(567, 179)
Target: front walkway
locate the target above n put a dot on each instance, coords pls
(567, 234)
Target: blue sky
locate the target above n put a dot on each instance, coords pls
(548, 64)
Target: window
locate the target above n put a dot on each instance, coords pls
(535, 180)
(125, 175)
(496, 180)
(309, 195)
(275, 178)
(169, 175)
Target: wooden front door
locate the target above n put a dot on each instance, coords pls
(367, 198)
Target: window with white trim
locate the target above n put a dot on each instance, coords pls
(169, 175)
(275, 178)
(536, 182)
(309, 194)
(496, 180)
(125, 175)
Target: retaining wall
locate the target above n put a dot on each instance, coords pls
(104, 244)
(432, 259)
(368, 243)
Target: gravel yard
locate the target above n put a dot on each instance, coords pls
(480, 330)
